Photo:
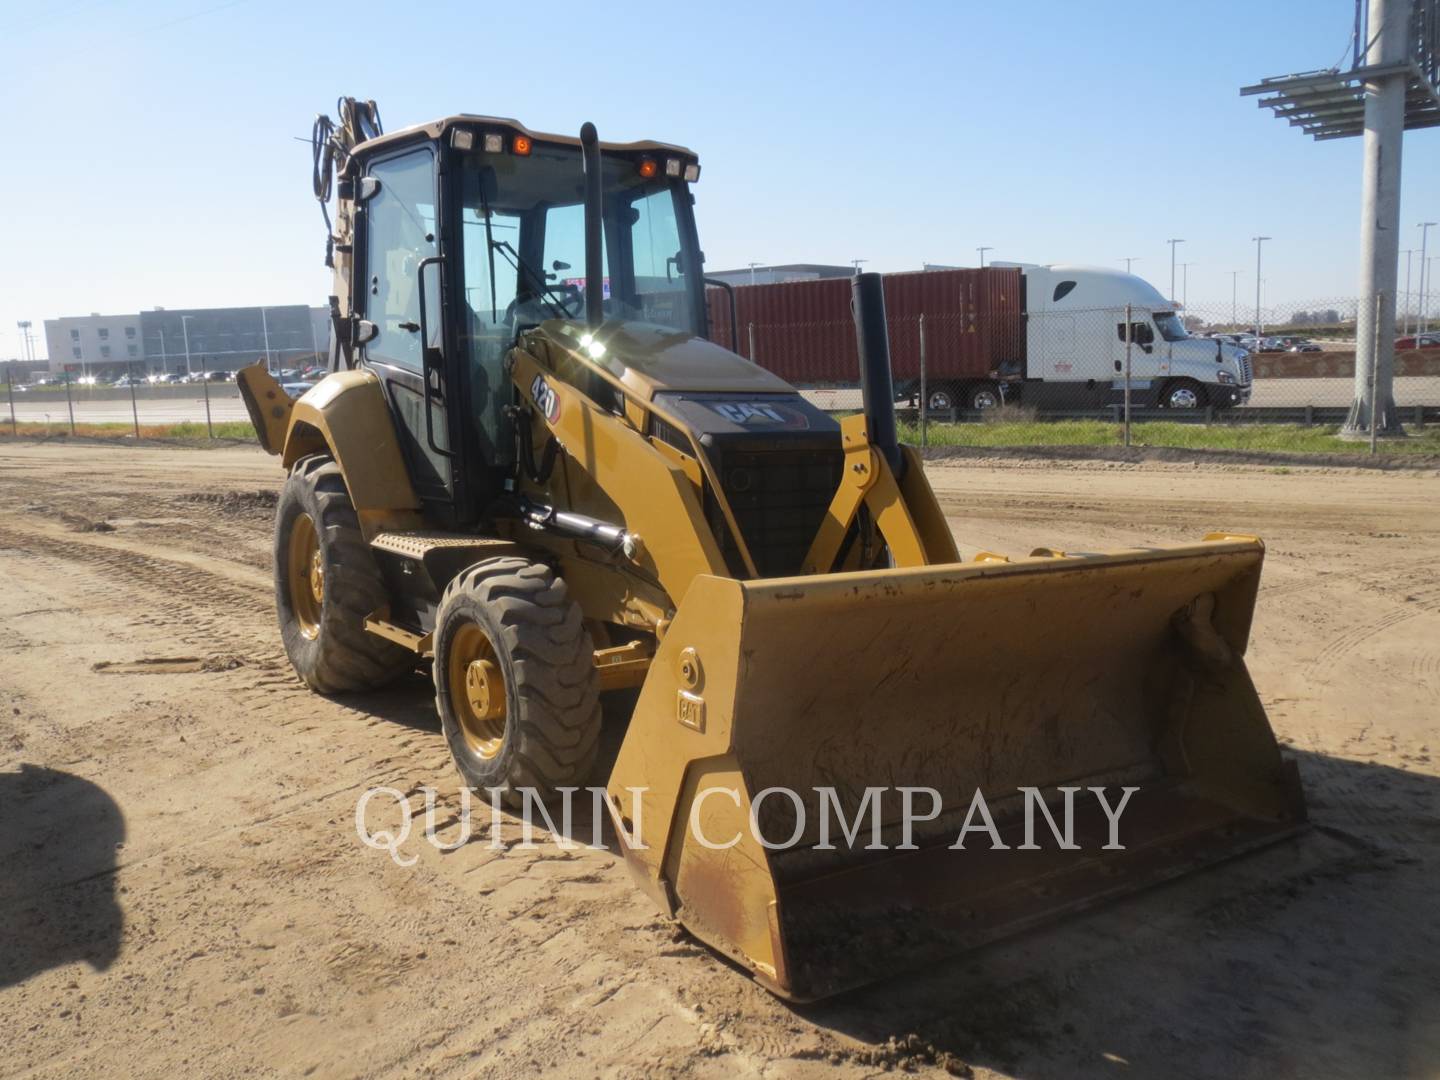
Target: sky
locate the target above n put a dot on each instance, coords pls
(154, 153)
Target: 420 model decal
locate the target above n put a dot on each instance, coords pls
(546, 400)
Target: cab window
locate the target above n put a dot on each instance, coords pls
(400, 232)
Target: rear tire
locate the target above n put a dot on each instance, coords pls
(515, 680)
(326, 583)
(941, 400)
(984, 396)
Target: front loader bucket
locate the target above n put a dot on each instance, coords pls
(1106, 671)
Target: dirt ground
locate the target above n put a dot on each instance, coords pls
(184, 893)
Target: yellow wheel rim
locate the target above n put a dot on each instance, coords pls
(477, 690)
(305, 570)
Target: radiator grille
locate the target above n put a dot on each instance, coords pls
(779, 497)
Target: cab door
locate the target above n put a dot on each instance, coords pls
(402, 342)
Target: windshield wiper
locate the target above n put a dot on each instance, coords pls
(543, 290)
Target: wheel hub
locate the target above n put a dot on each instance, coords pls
(305, 573)
(477, 690)
(317, 576)
(485, 689)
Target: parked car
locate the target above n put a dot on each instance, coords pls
(1419, 341)
(125, 381)
(1271, 345)
(296, 387)
(1304, 346)
(221, 376)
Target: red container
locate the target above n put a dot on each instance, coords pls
(803, 330)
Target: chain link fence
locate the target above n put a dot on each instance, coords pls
(126, 401)
(1206, 375)
(985, 375)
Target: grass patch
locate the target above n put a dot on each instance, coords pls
(1289, 438)
(189, 430)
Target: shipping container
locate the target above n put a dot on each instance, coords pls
(803, 331)
(1049, 336)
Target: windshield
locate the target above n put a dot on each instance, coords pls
(1170, 326)
(524, 240)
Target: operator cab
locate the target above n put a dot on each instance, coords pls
(471, 230)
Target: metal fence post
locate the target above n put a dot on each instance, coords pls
(10, 385)
(70, 404)
(134, 409)
(205, 382)
(924, 388)
(752, 343)
(1129, 334)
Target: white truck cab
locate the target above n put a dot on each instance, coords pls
(1075, 345)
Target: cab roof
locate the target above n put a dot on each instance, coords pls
(438, 129)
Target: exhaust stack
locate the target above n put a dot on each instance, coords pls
(877, 387)
(594, 267)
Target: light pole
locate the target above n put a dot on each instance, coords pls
(856, 263)
(1185, 282)
(26, 349)
(1234, 280)
(1259, 325)
(314, 343)
(982, 251)
(185, 329)
(752, 266)
(265, 330)
(163, 353)
(1130, 259)
(1430, 270)
(1405, 310)
(1424, 275)
(1172, 244)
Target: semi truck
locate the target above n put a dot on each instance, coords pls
(1053, 337)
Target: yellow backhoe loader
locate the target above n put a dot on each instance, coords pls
(530, 468)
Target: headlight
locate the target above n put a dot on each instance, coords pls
(1241, 354)
(1224, 378)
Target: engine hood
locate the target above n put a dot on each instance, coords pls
(652, 359)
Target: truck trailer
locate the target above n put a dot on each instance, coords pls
(1053, 337)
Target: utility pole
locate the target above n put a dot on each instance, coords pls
(1259, 323)
(1130, 259)
(1425, 282)
(185, 329)
(1387, 52)
(1234, 285)
(982, 251)
(1172, 244)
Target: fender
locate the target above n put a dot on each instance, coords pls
(344, 415)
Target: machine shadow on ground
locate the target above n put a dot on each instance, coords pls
(62, 837)
(1290, 961)
(1280, 962)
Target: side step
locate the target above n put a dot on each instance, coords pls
(422, 644)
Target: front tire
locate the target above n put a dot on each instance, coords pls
(515, 681)
(326, 583)
(1183, 394)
